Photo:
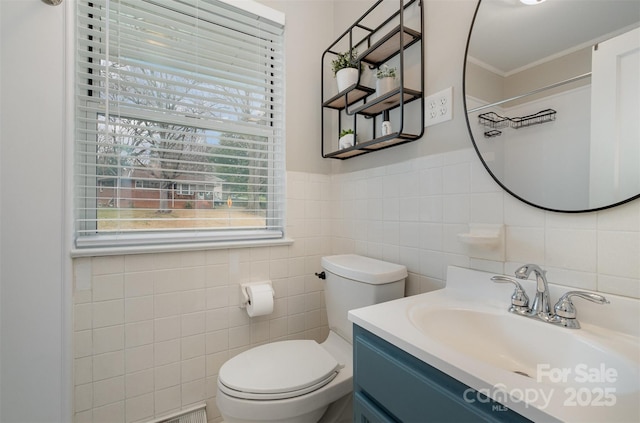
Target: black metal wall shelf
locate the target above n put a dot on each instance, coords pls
(351, 95)
(388, 46)
(373, 145)
(386, 39)
(387, 101)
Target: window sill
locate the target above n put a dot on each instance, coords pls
(176, 247)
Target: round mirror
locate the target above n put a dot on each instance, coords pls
(552, 94)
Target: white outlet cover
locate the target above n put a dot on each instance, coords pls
(439, 107)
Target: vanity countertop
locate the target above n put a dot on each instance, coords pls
(583, 375)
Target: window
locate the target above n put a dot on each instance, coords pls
(175, 99)
(184, 189)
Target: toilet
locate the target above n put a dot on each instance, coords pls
(301, 381)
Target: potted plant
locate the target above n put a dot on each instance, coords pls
(386, 79)
(345, 69)
(347, 139)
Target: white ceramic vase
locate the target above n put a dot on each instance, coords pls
(346, 141)
(346, 77)
(384, 85)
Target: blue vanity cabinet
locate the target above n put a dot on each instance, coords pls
(391, 385)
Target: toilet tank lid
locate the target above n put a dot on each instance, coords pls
(364, 269)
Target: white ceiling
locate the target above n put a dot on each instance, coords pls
(508, 35)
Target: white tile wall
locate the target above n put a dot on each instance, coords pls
(152, 330)
(416, 210)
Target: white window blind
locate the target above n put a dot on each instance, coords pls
(179, 123)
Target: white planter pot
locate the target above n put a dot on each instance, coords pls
(346, 141)
(384, 85)
(346, 77)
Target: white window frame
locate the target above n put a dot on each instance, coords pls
(105, 243)
(183, 191)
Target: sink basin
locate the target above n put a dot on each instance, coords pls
(545, 353)
(542, 371)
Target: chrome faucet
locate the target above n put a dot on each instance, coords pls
(564, 312)
(540, 305)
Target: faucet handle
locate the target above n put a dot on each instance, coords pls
(565, 308)
(519, 299)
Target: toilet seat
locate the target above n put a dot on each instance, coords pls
(278, 370)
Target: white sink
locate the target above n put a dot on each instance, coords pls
(533, 349)
(542, 371)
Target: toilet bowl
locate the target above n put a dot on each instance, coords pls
(283, 395)
(302, 381)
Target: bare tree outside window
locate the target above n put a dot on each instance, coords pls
(172, 153)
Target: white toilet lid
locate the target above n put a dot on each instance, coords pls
(278, 370)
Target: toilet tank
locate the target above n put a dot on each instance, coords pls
(354, 281)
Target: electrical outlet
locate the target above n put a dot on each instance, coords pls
(439, 107)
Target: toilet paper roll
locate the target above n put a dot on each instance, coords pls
(260, 300)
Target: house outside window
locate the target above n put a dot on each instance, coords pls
(178, 107)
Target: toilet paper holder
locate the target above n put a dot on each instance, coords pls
(245, 294)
